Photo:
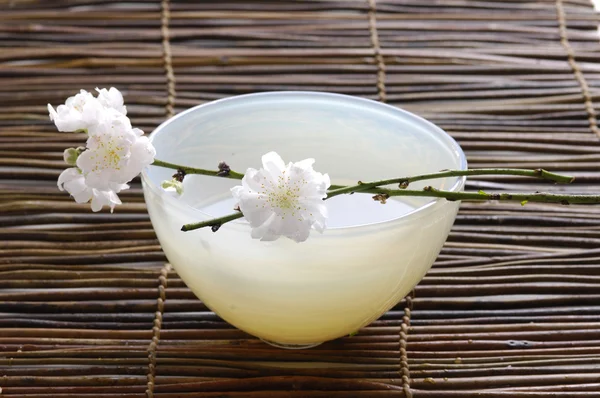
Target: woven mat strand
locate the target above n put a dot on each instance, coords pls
(510, 309)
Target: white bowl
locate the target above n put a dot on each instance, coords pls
(370, 257)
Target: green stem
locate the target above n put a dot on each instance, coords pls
(536, 173)
(405, 181)
(214, 223)
(373, 187)
(193, 170)
(541, 197)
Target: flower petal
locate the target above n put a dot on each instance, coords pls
(102, 198)
(268, 231)
(254, 209)
(52, 113)
(112, 98)
(73, 182)
(304, 165)
(97, 202)
(86, 161)
(273, 164)
(67, 175)
(83, 196)
(142, 155)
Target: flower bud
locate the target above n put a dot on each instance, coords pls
(170, 185)
(70, 156)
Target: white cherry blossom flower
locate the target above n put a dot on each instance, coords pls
(77, 114)
(112, 98)
(115, 157)
(73, 181)
(283, 200)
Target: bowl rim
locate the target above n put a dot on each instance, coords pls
(420, 211)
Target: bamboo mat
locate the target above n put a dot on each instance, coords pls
(88, 306)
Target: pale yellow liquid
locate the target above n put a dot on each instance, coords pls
(334, 283)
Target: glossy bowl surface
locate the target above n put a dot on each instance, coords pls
(369, 258)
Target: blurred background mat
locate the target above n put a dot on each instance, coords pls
(88, 306)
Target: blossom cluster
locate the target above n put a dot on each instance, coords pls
(277, 200)
(114, 154)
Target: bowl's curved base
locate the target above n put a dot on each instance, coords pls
(291, 346)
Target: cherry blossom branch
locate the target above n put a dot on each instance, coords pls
(405, 181)
(224, 170)
(383, 194)
(540, 197)
(103, 118)
(368, 187)
(214, 223)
